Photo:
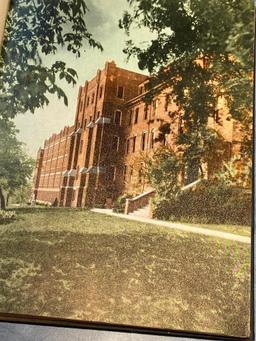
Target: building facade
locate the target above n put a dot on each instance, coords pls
(101, 156)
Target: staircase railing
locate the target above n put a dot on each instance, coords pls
(140, 201)
(192, 185)
(143, 199)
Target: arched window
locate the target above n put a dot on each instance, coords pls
(101, 91)
(146, 111)
(130, 116)
(115, 143)
(125, 172)
(118, 117)
(93, 96)
(127, 146)
(152, 138)
(136, 118)
(134, 144)
(120, 92)
(143, 140)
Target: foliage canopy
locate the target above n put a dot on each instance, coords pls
(202, 50)
(36, 30)
(15, 166)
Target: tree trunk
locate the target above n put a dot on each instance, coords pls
(2, 199)
(7, 199)
(202, 171)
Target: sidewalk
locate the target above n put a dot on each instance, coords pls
(178, 226)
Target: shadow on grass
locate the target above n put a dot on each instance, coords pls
(178, 282)
(34, 210)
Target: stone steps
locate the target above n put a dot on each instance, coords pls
(143, 212)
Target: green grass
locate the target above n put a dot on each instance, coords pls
(73, 263)
(235, 229)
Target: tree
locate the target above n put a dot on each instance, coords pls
(22, 195)
(163, 170)
(15, 166)
(203, 51)
(36, 29)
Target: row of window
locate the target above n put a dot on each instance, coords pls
(131, 142)
(128, 174)
(133, 114)
(91, 99)
(111, 173)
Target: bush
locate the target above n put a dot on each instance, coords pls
(99, 205)
(7, 216)
(208, 203)
(119, 205)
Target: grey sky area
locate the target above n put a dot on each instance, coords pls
(102, 22)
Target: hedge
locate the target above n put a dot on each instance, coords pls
(7, 216)
(206, 204)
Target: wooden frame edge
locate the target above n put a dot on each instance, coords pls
(4, 6)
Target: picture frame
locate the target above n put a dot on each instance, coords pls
(101, 324)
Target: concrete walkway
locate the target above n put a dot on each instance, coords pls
(178, 226)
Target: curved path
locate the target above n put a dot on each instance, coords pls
(178, 226)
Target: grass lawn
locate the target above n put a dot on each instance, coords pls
(73, 263)
(235, 229)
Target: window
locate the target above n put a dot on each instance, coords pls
(98, 114)
(125, 172)
(143, 141)
(101, 91)
(154, 105)
(120, 92)
(81, 105)
(85, 123)
(90, 118)
(117, 118)
(127, 146)
(81, 146)
(77, 173)
(131, 174)
(93, 96)
(115, 143)
(141, 90)
(136, 116)
(130, 117)
(140, 174)
(111, 173)
(88, 101)
(152, 139)
(145, 111)
(133, 144)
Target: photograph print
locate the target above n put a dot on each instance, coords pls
(126, 143)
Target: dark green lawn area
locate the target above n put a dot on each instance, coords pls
(73, 263)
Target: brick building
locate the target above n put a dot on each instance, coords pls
(101, 155)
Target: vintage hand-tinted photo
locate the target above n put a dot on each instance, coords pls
(126, 164)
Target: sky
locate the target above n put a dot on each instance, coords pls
(102, 22)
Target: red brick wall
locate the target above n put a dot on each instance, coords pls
(53, 164)
(104, 146)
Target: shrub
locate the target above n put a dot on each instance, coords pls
(119, 205)
(163, 172)
(208, 203)
(7, 216)
(99, 205)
